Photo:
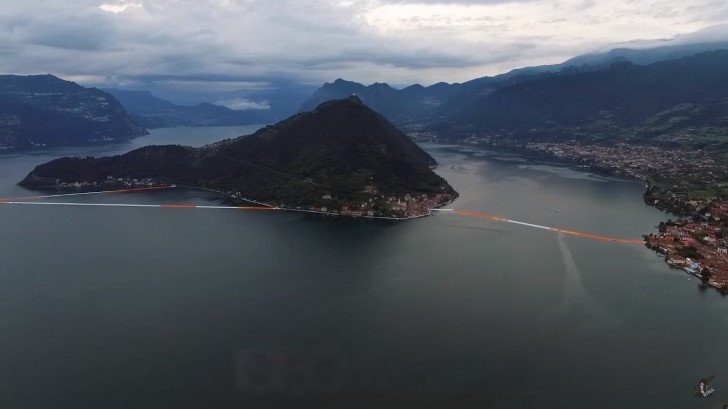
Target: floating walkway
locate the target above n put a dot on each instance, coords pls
(537, 226)
(31, 202)
(138, 189)
(158, 206)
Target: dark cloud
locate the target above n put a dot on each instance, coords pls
(72, 37)
(233, 44)
(457, 2)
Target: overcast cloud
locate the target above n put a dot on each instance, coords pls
(234, 44)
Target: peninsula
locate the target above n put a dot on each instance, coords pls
(341, 158)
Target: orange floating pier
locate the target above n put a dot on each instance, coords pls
(554, 229)
(29, 201)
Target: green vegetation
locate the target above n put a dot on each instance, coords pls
(342, 154)
(43, 110)
(673, 104)
(690, 252)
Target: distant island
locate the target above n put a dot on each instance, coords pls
(342, 158)
(44, 110)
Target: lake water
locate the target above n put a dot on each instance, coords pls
(172, 308)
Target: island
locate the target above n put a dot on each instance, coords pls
(342, 158)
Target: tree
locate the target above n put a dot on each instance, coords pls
(690, 252)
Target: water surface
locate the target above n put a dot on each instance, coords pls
(172, 308)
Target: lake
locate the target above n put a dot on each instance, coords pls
(177, 308)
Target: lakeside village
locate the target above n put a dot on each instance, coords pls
(691, 184)
(407, 206)
(378, 205)
(110, 182)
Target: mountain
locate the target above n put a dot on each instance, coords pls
(646, 101)
(283, 99)
(154, 112)
(342, 157)
(645, 56)
(279, 99)
(139, 101)
(417, 103)
(397, 105)
(472, 90)
(421, 104)
(44, 110)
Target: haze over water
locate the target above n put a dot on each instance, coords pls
(173, 308)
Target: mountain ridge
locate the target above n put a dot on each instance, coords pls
(44, 110)
(411, 104)
(665, 96)
(155, 112)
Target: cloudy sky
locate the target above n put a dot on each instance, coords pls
(234, 44)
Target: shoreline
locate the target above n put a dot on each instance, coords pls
(587, 163)
(245, 199)
(319, 212)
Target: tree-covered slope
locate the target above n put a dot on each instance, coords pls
(341, 156)
(43, 110)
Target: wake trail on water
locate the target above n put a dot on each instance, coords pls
(575, 296)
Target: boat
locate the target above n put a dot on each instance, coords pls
(693, 267)
(693, 271)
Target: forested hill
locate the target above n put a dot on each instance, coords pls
(342, 156)
(44, 110)
(668, 100)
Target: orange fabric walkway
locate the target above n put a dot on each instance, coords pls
(27, 201)
(555, 229)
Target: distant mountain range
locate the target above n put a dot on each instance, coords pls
(154, 112)
(668, 89)
(342, 157)
(660, 92)
(669, 99)
(644, 56)
(622, 92)
(44, 110)
(396, 105)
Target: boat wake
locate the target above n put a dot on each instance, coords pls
(576, 297)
